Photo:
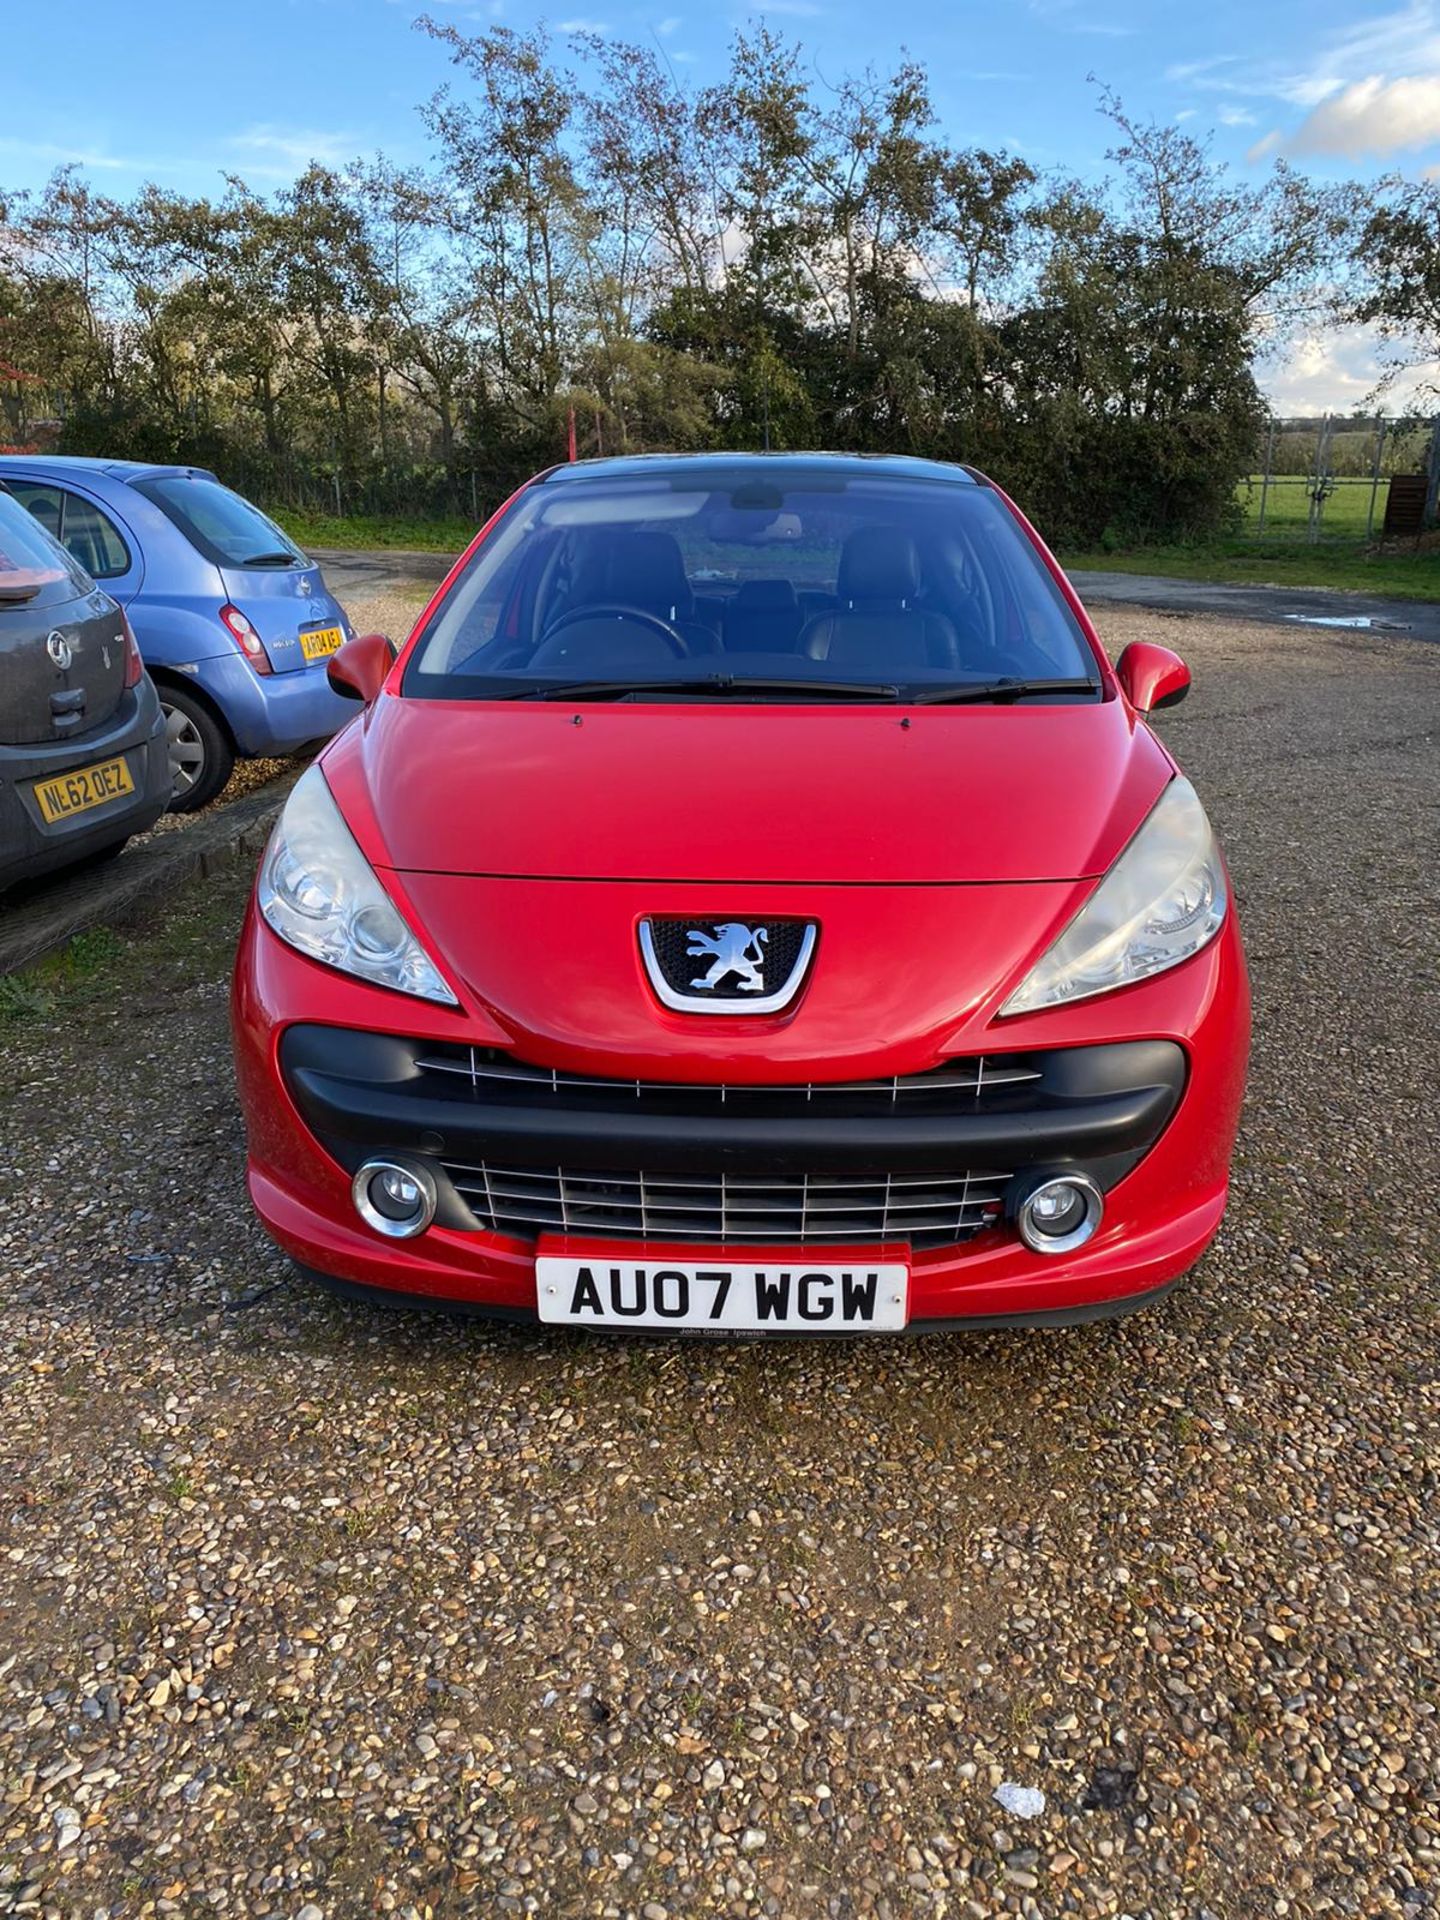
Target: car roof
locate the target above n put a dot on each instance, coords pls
(793, 466)
(126, 470)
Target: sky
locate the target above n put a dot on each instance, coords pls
(183, 94)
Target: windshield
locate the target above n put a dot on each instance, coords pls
(741, 581)
(225, 528)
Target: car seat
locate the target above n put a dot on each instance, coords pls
(877, 627)
(762, 616)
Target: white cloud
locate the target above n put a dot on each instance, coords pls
(669, 26)
(1373, 116)
(1406, 41)
(83, 157)
(582, 23)
(802, 9)
(1235, 117)
(1199, 69)
(297, 147)
(1335, 371)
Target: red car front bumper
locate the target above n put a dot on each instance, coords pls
(1160, 1214)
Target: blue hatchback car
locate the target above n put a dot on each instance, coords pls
(234, 623)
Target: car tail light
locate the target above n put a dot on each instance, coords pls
(246, 638)
(134, 665)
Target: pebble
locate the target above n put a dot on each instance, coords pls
(1026, 1803)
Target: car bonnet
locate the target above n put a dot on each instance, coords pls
(762, 793)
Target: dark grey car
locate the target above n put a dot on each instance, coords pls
(83, 759)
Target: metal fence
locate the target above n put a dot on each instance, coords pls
(418, 491)
(1328, 477)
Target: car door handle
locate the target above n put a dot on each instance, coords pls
(71, 701)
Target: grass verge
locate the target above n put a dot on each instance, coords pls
(1248, 563)
(102, 974)
(371, 530)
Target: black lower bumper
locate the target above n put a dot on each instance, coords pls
(930, 1162)
(363, 1091)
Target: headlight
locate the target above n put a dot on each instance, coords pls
(1163, 899)
(320, 894)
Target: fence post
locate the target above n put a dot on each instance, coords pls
(1265, 478)
(1432, 476)
(1317, 498)
(1380, 428)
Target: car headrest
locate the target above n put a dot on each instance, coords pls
(879, 563)
(646, 570)
(757, 594)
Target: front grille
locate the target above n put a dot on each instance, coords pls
(925, 1158)
(981, 1079)
(924, 1209)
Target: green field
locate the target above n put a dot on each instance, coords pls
(374, 530)
(1287, 507)
(1279, 563)
(1284, 555)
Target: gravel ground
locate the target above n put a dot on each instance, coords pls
(313, 1611)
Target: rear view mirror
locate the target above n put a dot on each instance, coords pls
(1152, 676)
(357, 671)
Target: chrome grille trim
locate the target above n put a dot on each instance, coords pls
(926, 1210)
(974, 1076)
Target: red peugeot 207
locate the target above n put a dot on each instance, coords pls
(751, 901)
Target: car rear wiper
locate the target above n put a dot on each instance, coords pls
(710, 683)
(997, 690)
(274, 558)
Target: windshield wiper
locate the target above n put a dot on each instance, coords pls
(710, 683)
(273, 558)
(998, 690)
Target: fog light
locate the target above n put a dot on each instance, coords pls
(1059, 1213)
(394, 1197)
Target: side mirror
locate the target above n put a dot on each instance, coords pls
(1152, 676)
(358, 669)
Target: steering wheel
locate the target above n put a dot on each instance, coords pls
(613, 610)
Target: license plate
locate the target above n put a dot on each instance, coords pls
(725, 1293)
(86, 787)
(321, 643)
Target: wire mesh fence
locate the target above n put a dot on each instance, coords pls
(466, 490)
(1332, 477)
